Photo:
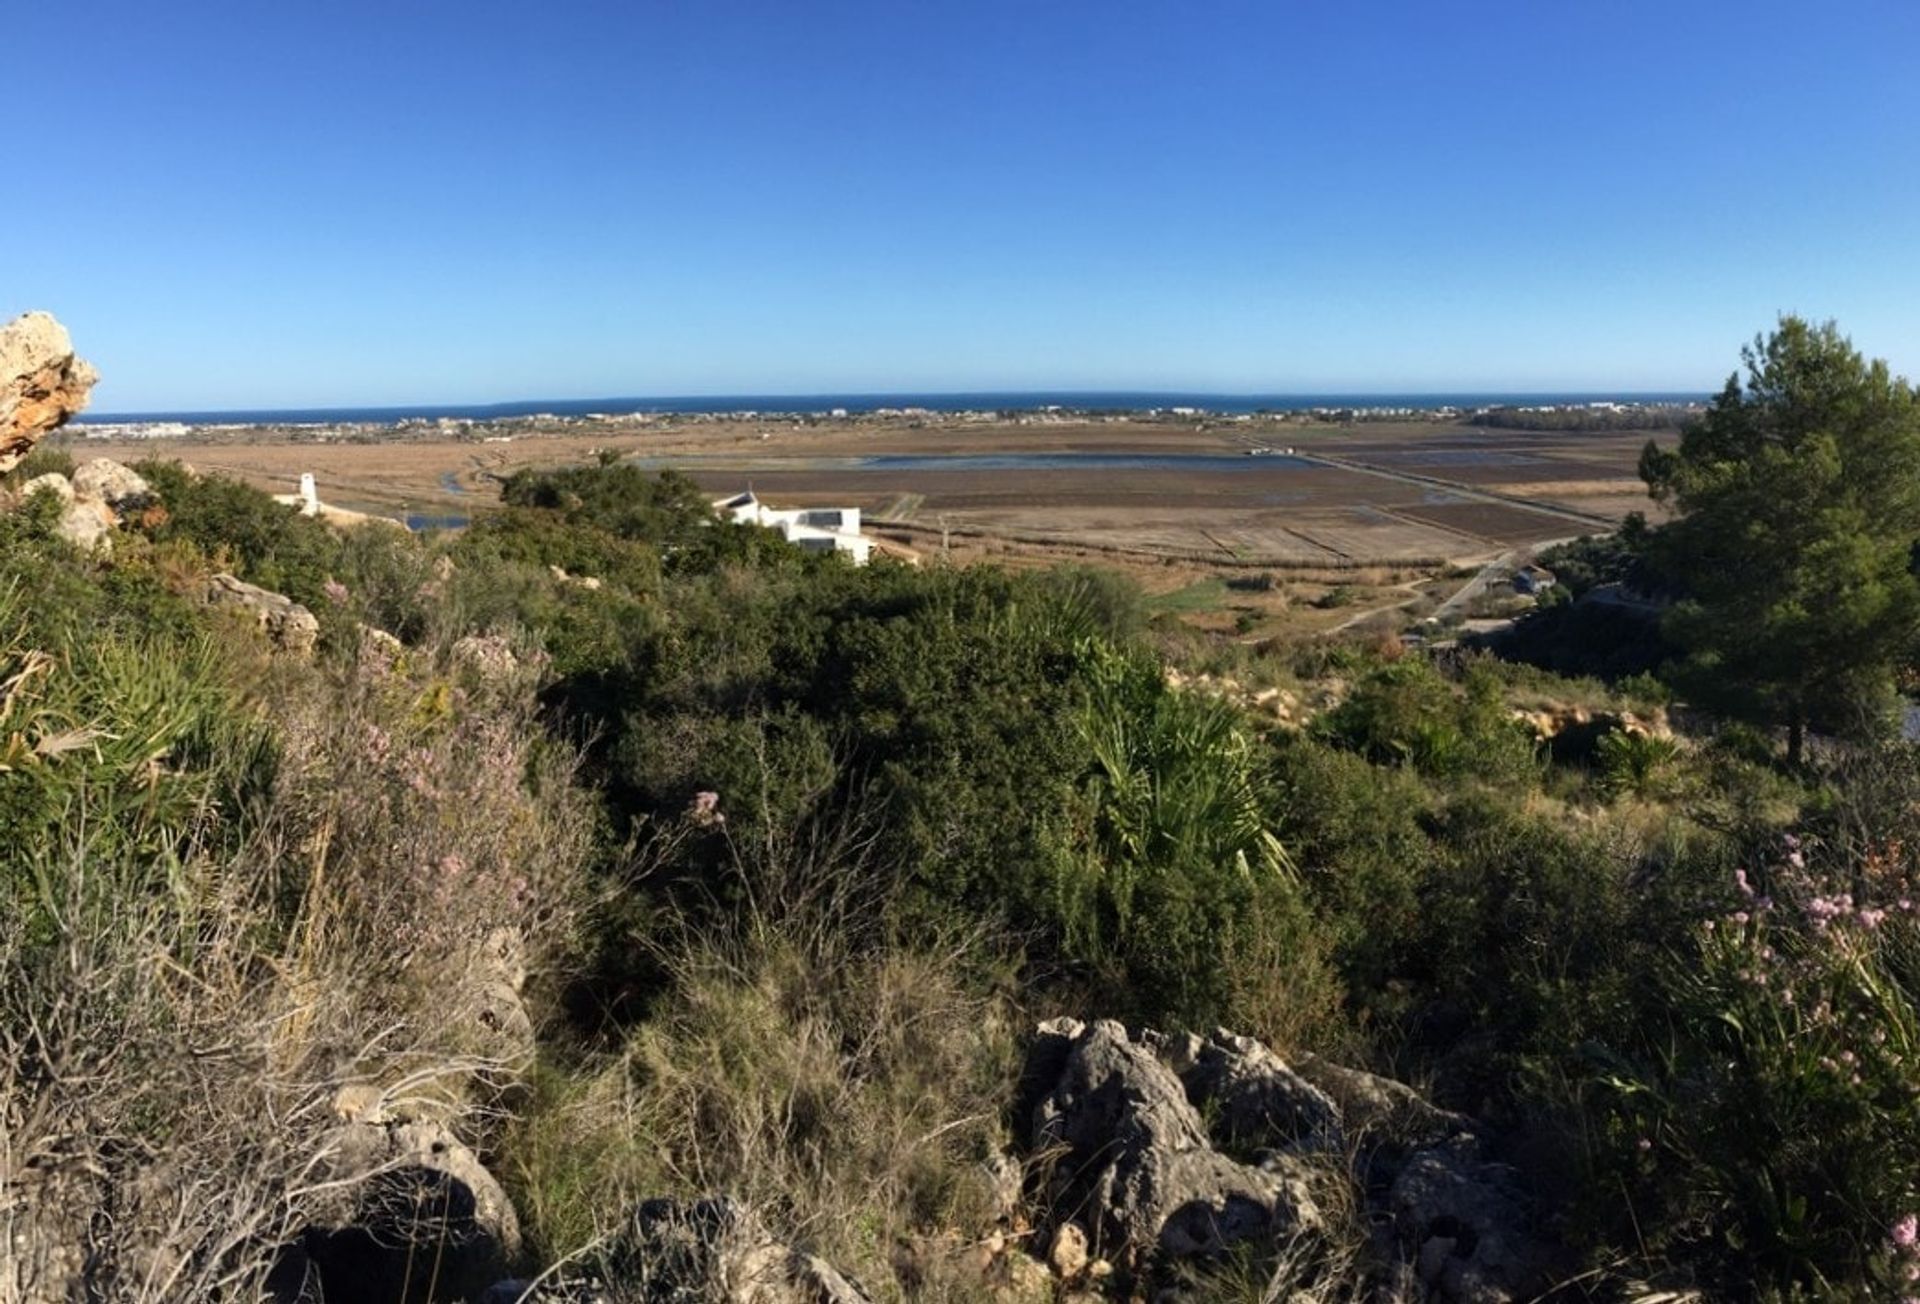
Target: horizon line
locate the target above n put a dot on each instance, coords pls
(825, 400)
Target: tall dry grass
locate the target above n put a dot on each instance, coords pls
(257, 891)
(843, 1083)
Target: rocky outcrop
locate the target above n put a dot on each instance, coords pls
(709, 1251)
(411, 1211)
(91, 502)
(1462, 1225)
(288, 625)
(1133, 1164)
(1255, 1101)
(42, 383)
(104, 480)
(1137, 1131)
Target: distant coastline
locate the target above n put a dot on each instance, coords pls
(861, 404)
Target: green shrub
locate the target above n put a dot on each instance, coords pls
(1768, 1126)
(240, 528)
(1637, 764)
(1405, 713)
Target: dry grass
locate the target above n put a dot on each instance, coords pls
(190, 998)
(849, 1095)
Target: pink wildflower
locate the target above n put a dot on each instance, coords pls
(704, 809)
(1906, 1232)
(336, 591)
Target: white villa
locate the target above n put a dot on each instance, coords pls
(816, 529)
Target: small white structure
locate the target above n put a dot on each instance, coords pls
(816, 529)
(307, 503)
(307, 500)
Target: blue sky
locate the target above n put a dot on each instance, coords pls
(249, 204)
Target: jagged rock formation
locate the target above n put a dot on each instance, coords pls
(1136, 1168)
(1134, 1134)
(287, 624)
(42, 383)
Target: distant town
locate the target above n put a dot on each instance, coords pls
(1602, 414)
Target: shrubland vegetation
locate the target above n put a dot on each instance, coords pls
(797, 853)
(1635, 416)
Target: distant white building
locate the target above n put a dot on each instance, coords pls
(307, 500)
(815, 529)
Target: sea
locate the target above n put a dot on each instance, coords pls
(993, 401)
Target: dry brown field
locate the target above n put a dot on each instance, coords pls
(1409, 496)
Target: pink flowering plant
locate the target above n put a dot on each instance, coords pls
(437, 819)
(1780, 1116)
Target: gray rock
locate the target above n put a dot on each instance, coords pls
(106, 481)
(1466, 1227)
(1380, 1109)
(1254, 1100)
(287, 624)
(87, 525)
(1133, 1163)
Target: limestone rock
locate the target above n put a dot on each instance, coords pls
(290, 626)
(1067, 1256)
(45, 1210)
(695, 1251)
(42, 383)
(1466, 1228)
(1380, 1109)
(1255, 1100)
(407, 1194)
(53, 483)
(104, 480)
(87, 525)
(380, 651)
(1135, 1165)
(484, 998)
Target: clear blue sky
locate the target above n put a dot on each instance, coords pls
(269, 204)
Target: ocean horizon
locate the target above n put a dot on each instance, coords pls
(862, 403)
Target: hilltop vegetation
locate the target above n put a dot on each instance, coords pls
(622, 854)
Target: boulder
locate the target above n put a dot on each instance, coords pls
(53, 483)
(1379, 1110)
(1253, 1099)
(1132, 1160)
(83, 522)
(1464, 1226)
(287, 624)
(410, 1208)
(106, 481)
(87, 525)
(42, 383)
